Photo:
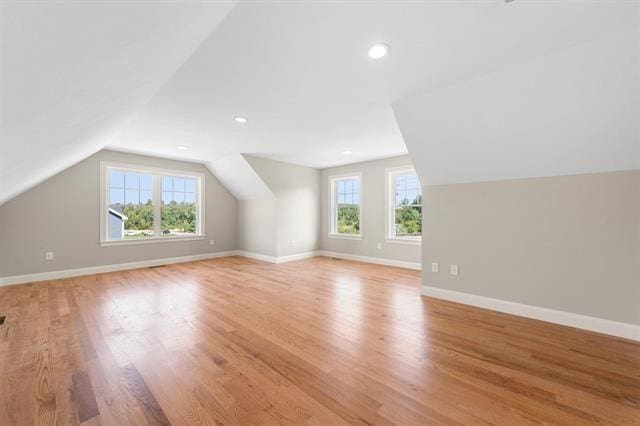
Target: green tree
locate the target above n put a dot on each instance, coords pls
(348, 219)
(139, 216)
(409, 217)
(179, 216)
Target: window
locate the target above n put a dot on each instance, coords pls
(346, 212)
(178, 210)
(404, 221)
(142, 204)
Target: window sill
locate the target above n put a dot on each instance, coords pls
(345, 236)
(407, 241)
(150, 240)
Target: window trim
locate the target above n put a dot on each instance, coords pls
(157, 173)
(390, 236)
(333, 208)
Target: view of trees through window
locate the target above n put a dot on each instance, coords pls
(131, 203)
(348, 206)
(408, 205)
(178, 209)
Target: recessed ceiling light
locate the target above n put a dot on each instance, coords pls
(182, 147)
(240, 119)
(378, 51)
(347, 152)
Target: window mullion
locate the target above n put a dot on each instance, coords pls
(157, 199)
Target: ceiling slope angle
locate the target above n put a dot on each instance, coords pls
(73, 73)
(240, 177)
(302, 76)
(572, 108)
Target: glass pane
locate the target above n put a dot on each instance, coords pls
(401, 182)
(178, 184)
(356, 185)
(167, 183)
(348, 198)
(340, 187)
(179, 218)
(412, 181)
(132, 180)
(116, 179)
(145, 197)
(178, 197)
(167, 196)
(132, 196)
(116, 196)
(401, 198)
(190, 185)
(356, 199)
(340, 198)
(135, 218)
(348, 186)
(146, 182)
(408, 221)
(412, 194)
(348, 220)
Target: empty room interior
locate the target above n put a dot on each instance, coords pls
(319, 212)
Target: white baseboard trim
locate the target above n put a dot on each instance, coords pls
(258, 256)
(299, 256)
(369, 259)
(274, 259)
(599, 325)
(68, 273)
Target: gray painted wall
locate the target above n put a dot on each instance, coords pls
(257, 230)
(62, 215)
(570, 243)
(373, 213)
(297, 196)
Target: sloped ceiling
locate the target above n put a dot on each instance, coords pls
(77, 78)
(240, 178)
(73, 73)
(300, 73)
(574, 111)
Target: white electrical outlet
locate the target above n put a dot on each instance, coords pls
(48, 255)
(453, 269)
(434, 267)
(379, 245)
(293, 243)
(211, 242)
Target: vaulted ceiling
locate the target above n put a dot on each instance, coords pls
(150, 77)
(73, 73)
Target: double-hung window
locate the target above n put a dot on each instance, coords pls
(404, 217)
(143, 204)
(346, 203)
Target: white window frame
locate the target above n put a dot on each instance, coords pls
(157, 174)
(333, 180)
(390, 217)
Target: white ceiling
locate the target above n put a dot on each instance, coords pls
(73, 73)
(74, 82)
(570, 112)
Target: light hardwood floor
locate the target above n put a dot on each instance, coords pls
(319, 341)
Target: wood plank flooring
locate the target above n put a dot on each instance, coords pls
(319, 341)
